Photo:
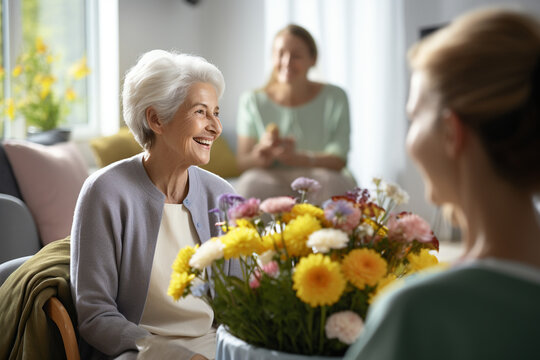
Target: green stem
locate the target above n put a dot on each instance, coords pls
(321, 329)
(311, 312)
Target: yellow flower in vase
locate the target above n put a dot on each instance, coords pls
(297, 232)
(318, 280)
(181, 263)
(80, 69)
(179, 283)
(363, 267)
(241, 241)
(422, 260)
(71, 95)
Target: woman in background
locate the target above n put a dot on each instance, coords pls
(293, 126)
(133, 216)
(474, 107)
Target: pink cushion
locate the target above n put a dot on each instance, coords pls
(50, 178)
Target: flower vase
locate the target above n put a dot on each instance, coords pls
(229, 347)
(49, 137)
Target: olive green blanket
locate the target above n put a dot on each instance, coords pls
(26, 331)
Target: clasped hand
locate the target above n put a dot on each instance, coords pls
(271, 147)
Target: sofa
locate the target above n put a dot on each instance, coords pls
(39, 185)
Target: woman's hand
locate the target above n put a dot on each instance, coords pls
(285, 152)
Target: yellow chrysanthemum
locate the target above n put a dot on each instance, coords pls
(181, 263)
(363, 267)
(2, 71)
(241, 241)
(179, 283)
(318, 280)
(273, 241)
(71, 94)
(296, 234)
(382, 286)
(41, 48)
(244, 223)
(17, 70)
(79, 69)
(302, 209)
(422, 260)
(10, 108)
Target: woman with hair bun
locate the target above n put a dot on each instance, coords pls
(474, 107)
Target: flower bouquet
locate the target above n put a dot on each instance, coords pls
(309, 273)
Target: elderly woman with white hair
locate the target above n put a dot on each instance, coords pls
(133, 216)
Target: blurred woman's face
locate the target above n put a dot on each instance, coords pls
(291, 58)
(195, 125)
(425, 139)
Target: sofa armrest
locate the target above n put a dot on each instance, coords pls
(19, 232)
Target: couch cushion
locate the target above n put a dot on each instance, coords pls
(108, 149)
(50, 178)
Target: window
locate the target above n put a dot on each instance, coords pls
(47, 65)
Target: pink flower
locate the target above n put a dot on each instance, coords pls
(346, 326)
(410, 227)
(278, 204)
(272, 268)
(245, 209)
(255, 279)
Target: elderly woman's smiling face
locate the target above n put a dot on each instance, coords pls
(195, 126)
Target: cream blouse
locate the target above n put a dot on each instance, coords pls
(189, 316)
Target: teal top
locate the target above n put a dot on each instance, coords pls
(321, 125)
(487, 309)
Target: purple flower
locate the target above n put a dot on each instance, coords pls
(245, 209)
(343, 214)
(305, 184)
(227, 200)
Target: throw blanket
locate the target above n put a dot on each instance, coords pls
(27, 333)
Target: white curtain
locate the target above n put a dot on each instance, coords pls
(361, 47)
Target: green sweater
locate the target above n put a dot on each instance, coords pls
(469, 312)
(321, 125)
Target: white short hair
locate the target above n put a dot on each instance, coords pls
(161, 79)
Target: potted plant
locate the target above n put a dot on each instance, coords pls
(37, 95)
(310, 272)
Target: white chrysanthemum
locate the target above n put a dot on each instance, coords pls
(325, 239)
(394, 192)
(266, 257)
(346, 326)
(206, 254)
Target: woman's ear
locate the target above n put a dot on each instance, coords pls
(454, 133)
(153, 121)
